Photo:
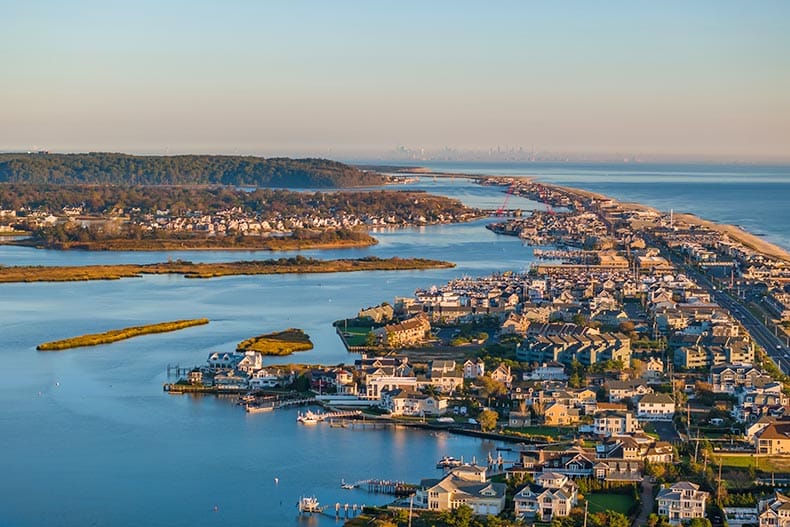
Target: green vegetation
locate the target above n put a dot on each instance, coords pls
(278, 343)
(131, 238)
(488, 420)
(298, 264)
(601, 502)
(552, 432)
(115, 335)
(123, 169)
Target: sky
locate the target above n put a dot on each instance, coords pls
(675, 79)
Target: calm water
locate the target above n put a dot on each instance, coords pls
(88, 437)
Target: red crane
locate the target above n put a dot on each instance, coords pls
(509, 192)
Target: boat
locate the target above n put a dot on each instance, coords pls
(309, 504)
(246, 399)
(449, 462)
(255, 409)
(308, 418)
(347, 486)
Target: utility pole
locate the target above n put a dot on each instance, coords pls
(586, 504)
(718, 488)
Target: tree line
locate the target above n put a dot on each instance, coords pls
(125, 169)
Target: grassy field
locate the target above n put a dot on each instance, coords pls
(278, 343)
(108, 337)
(550, 431)
(212, 270)
(356, 335)
(765, 464)
(600, 502)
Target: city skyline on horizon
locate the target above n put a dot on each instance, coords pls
(708, 82)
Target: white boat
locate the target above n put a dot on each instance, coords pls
(309, 504)
(449, 462)
(308, 418)
(347, 486)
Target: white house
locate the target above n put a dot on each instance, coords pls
(655, 407)
(681, 502)
(552, 495)
(474, 369)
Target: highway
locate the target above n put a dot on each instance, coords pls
(773, 345)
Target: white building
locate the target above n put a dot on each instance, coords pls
(681, 502)
(655, 407)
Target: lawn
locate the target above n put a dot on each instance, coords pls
(764, 464)
(600, 502)
(549, 431)
(356, 335)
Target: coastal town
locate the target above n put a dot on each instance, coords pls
(639, 369)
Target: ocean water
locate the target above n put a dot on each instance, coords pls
(754, 197)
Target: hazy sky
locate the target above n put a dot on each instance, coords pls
(349, 78)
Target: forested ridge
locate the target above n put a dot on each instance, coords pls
(125, 169)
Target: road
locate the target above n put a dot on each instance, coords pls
(648, 503)
(773, 345)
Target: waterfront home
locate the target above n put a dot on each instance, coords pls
(375, 386)
(380, 313)
(655, 407)
(465, 485)
(414, 404)
(681, 502)
(264, 378)
(552, 495)
(445, 382)
(474, 368)
(774, 511)
(409, 332)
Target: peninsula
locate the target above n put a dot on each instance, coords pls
(108, 337)
(150, 218)
(299, 264)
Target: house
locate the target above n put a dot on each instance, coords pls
(406, 333)
(613, 423)
(655, 407)
(465, 485)
(442, 366)
(514, 325)
(726, 378)
(654, 369)
(774, 439)
(681, 502)
(548, 371)
(774, 511)
(622, 390)
(552, 495)
(557, 414)
(474, 369)
(416, 404)
(502, 374)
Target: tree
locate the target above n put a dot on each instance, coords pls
(460, 517)
(700, 522)
(488, 420)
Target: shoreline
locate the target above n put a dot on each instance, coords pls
(734, 232)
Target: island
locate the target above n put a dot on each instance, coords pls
(279, 343)
(298, 264)
(108, 337)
